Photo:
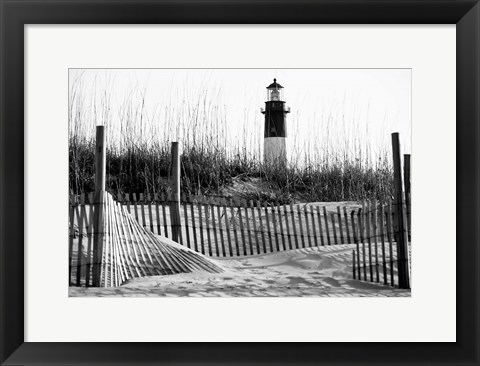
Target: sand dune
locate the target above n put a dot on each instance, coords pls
(318, 271)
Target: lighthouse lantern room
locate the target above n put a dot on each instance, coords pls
(275, 134)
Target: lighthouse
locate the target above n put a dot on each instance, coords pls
(275, 148)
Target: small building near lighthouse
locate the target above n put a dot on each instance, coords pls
(275, 135)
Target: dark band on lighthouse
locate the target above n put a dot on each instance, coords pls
(275, 111)
(275, 132)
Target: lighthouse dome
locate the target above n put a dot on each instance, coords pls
(274, 85)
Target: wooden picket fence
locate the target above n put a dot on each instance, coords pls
(222, 227)
(375, 258)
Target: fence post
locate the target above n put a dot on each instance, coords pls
(98, 201)
(175, 203)
(402, 241)
(406, 177)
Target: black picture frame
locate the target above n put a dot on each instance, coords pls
(15, 14)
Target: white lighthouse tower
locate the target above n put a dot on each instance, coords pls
(275, 148)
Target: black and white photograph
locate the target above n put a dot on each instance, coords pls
(239, 182)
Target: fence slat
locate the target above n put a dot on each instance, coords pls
(334, 228)
(187, 225)
(247, 218)
(222, 239)
(207, 225)
(314, 229)
(342, 237)
(214, 226)
(375, 238)
(235, 232)
(227, 228)
(367, 225)
(90, 243)
(345, 215)
(282, 232)
(285, 210)
(164, 215)
(357, 244)
(150, 213)
(268, 226)
(390, 241)
(80, 223)
(382, 236)
(275, 231)
(242, 227)
(256, 227)
(194, 225)
(354, 264)
(327, 230)
(320, 230)
(300, 224)
(200, 224)
(142, 207)
(70, 243)
(156, 198)
(307, 225)
(362, 239)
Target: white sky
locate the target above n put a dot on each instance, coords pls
(331, 109)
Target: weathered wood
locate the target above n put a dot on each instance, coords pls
(320, 230)
(200, 224)
(222, 239)
(334, 228)
(187, 230)
(375, 239)
(269, 231)
(194, 226)
(314, 229)
(134, 198)
(345, 215)
(294, 226)
(282, 233)
(175, 202)
(157, 213)
(382, 236)
(207, 225)
(214, 225)
(81, 224)
(89, 244)
(142, 210)
(71, 235)
(357, 244)
(307, 225)
(150, 213)
(100, 174)
(249, 231)
(242, 227)
(300, 225)
(402, 239)
(327, 230)
(285, 211)
(235, 232)
(390, 241)
(354, 264)
(275, 231)
(227, 228)
(362, 239)
(369, 239)
(164, 215)
(342, 237)
(255, 227)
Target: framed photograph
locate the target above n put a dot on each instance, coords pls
(239, 183)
